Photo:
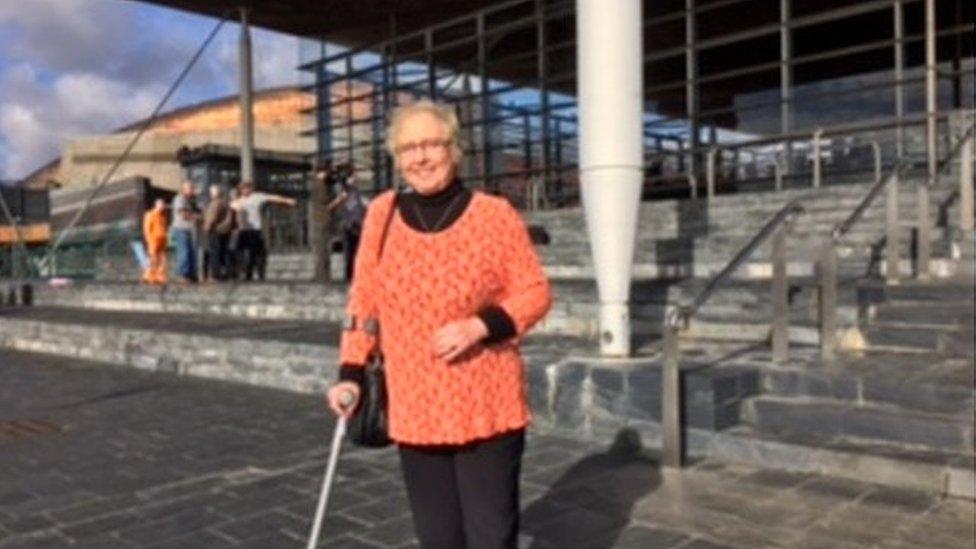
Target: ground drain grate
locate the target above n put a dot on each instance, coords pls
(19, 429)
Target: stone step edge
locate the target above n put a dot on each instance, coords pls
(308, 368)
(737, 445)
(940, 268)
(866, 406)
(822, 375)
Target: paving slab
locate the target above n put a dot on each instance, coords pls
(140, 459)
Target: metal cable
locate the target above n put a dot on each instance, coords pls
(135, 139)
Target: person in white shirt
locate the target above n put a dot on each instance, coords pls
(250, 239)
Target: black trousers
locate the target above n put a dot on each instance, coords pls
(350, 244)
(218, 255)
(465, 497)
(251, 243)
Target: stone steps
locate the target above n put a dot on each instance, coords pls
(868, 422)
(880, 380)
(584, 397)
(593, 397)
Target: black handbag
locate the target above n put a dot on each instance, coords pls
(369, 424)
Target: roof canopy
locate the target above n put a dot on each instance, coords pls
(357, 22)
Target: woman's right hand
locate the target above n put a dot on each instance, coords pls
(343, 397)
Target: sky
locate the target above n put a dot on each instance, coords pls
(70, 68)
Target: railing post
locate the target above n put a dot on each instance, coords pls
(672, 447)
(966, 212)
(712, 153)
(923, 244)
(816, 158)
(892, 232)
(781, 327)
(876, 149)
(777, 173)
(827, 302)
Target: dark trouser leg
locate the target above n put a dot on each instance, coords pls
(249, 247)
(216, 256)
(261, 254)
(349, 247)
(487, 480)
(233, 255)
(433, 494)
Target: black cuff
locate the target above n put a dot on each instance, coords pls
(500, 325)
(348, 372)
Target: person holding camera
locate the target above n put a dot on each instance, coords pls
(352, 209)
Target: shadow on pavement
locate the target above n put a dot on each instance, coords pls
(591, 503)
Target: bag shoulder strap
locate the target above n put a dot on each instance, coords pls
(386, 225)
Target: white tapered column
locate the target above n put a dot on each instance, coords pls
(610, 85)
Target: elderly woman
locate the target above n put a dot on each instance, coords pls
(457, 286)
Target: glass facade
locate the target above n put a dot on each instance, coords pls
(750, 79)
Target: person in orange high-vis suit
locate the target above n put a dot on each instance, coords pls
(458, 285)
(155, 233)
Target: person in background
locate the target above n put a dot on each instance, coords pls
(155, 233)
(233, 239)
(458, 285)
(352, 210)
(218, 222)
(250, 239)
(185, 216)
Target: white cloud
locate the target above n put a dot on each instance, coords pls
(78, 67)
(39, 118)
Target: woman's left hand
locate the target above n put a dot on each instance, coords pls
(454, 339)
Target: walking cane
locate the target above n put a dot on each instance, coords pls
(337, 436)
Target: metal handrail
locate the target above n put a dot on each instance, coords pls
(900, 168)
(680, 316)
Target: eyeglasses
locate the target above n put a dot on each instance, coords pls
(427, 146)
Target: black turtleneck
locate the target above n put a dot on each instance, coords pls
(440, 210)
(425, 213)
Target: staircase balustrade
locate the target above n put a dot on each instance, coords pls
(827, 263)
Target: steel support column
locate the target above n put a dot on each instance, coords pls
(785, 77)
(691, 87)
(543, 85)
(899, 31)
(246, 83)
(610, 84)
(485, 101)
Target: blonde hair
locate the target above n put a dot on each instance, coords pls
(444, 113)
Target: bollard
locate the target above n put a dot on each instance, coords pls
(672, 447)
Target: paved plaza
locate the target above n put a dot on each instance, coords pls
(98, 456)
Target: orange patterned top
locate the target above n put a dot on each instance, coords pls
(426, 280)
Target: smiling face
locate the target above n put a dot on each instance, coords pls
(425, 154)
